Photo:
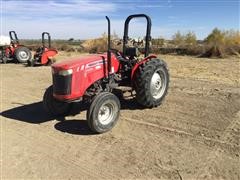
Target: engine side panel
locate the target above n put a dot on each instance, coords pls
(85, 73)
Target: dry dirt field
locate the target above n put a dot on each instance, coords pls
(194, 134)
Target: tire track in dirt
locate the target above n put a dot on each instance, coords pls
(180, 132)
(190, 125)
(89, 143)
(85, 169)
(216, 152)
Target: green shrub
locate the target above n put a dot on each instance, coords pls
(221, 43)
(184, 40)
(190, 39)
(178, 39)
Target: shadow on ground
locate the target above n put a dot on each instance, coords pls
(35, 114)
(30, 113)
(130, 104)
(77, 127)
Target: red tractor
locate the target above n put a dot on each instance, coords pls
(15, 51)
(93, 79)
(44, 54)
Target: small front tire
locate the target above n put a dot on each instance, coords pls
(31, 63)
(53, 106)
(4, 60)
(103, 113)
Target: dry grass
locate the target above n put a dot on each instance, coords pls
(206, 69)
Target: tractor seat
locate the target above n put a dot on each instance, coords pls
(40, 50)
(132, 52)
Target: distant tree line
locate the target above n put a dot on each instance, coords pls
(219, 43)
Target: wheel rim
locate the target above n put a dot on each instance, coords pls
(23, 55)
(158, 84)
(106, 113)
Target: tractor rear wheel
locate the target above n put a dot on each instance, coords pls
(23, 55)
(151, 83)
(53, 106)
(103, 113)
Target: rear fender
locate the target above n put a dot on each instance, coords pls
(8, 52)
(141, 62)
(48, 54)
(11, 49)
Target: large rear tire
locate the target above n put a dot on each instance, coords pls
(151, 83)
(23, 55)
(103, 113)
(53, 106)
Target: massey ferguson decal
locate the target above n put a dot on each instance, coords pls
(96, 64)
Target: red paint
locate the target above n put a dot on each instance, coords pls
(47, 54)
(86, 71)
(141, 62)
(11, 49)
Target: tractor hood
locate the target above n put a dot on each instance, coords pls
(74, 63)
(71, 78)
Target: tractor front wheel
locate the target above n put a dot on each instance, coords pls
(23, 55)
(103, 113)
(31, 62)
(151, 83)
(4, 60)
(53, 106)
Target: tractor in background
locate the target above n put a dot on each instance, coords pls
(44, 54)
(93, 80)
(14, 51)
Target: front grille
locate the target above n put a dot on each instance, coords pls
(62, 84)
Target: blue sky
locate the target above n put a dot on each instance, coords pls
(86, 19)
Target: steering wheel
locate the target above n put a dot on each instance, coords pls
(117, 52)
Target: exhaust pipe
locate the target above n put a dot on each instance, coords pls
(109, 47)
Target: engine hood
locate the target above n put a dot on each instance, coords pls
(77, 62)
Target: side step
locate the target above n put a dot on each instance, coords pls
(124, 88)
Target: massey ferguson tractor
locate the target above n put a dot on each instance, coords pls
(15, 51)
(93, 80)
(45, 53)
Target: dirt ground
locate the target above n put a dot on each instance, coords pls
(194, 134)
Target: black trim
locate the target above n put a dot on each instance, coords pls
(109, 47)
(62, 84)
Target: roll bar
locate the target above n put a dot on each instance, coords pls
(13, 37)
(148, 32)
(44, 40)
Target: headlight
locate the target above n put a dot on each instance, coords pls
(65, 72)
